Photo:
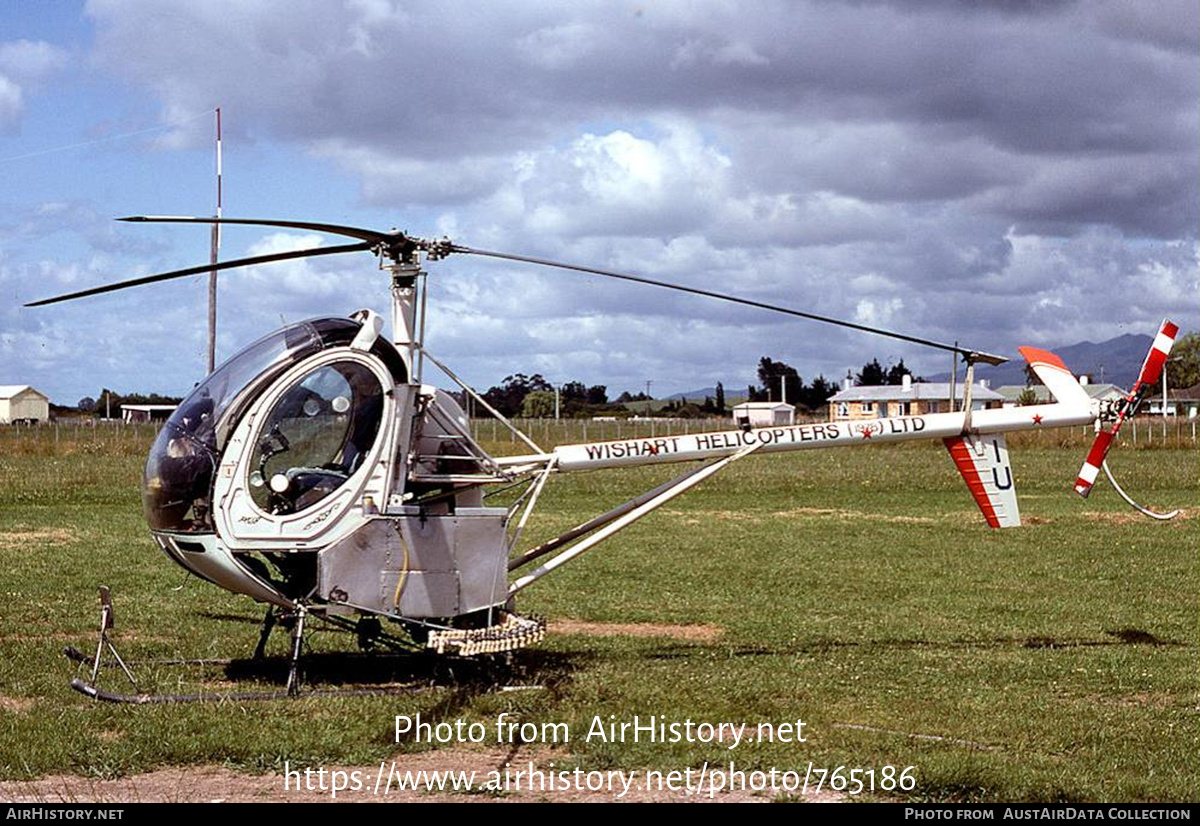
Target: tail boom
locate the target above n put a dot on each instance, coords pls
(698, 446)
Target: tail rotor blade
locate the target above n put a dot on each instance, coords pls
(1093, 463)
(1157, 357)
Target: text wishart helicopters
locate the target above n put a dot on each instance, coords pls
(316, 472)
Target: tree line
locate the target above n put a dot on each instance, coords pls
(778, 381)
(110, 401)
(532, 396)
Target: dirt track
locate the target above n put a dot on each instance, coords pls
(212, 784)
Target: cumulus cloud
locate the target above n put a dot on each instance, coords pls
(24, 63)
(31, 60)
(997, 173)
(878, 101)
(10, 102)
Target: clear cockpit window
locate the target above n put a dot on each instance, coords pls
(315, 437)
(182, 461)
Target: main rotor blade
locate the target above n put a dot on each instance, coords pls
(335, 229)
(973, 355)
(221, 265)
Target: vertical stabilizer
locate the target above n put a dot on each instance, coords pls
(983, 463)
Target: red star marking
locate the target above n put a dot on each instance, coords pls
(1037, 419)
(866, 434)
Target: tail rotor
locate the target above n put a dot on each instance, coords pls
(1152, 369)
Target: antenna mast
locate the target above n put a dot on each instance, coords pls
(216, 249)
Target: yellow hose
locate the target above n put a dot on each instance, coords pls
(403, 572)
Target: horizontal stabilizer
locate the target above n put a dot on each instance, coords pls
(1056, 376)
(983, 463)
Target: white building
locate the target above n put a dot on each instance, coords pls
(131, 413)
(1184, 402)
(21, 403)
(1103, 392)
(909, 398)
(763, 414)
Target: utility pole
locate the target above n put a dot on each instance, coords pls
(953, 378)
(1164, 402)
(1164, 392)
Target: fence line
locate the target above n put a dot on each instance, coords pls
(1141, 432)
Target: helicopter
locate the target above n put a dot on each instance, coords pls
(315, 471)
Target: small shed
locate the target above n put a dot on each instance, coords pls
(131, 413)
(21, 403)
(763, 414)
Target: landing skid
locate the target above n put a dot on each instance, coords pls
(95, 693)
(75, 655)
(510, 633)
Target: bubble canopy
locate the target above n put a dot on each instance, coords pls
(177, 483)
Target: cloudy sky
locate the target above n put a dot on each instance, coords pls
(997, 173)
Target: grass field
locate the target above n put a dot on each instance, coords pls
(856, 589)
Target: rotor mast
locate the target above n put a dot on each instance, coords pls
(400, 255)
(406, 278)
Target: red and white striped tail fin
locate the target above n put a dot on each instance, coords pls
(983, 463)
(1152, 368)
(1059, 380)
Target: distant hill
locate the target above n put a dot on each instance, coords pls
(1121, 358)
(1116, 361)
(710, 392)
